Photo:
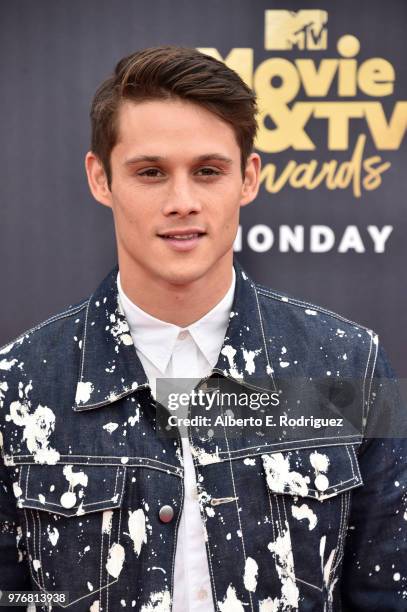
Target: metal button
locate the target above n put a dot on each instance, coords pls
(166, 514)
(321, 482)
(68, 499)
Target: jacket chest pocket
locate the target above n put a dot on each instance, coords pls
(71, 521)
(309, 498)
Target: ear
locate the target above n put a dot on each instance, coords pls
(97, 179)
(251, 182)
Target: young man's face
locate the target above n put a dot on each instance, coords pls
(176, 190)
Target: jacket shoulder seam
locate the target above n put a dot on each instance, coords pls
(61, 315)
(269, 293)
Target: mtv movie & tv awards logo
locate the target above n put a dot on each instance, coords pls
(327, 110)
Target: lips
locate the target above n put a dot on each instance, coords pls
(182, 233)
(182, 236)
(182, 239)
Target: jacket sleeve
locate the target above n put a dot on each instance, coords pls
(14, 571)
(375, 562)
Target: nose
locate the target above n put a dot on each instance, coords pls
(181, 198)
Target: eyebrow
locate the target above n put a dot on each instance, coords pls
(200, 158)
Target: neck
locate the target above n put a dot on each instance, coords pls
(183, 304)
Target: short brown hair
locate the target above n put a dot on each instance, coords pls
(173, 72)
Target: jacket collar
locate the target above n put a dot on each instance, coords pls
(110, 368)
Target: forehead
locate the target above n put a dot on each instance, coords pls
(172, 123)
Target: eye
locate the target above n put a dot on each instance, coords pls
(149, 172)
(207, 171)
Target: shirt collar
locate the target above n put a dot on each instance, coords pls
(156, 338)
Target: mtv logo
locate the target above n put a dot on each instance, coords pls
(302, 29)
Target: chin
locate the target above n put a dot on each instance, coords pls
(184, 274)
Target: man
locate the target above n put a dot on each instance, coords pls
(103, 496)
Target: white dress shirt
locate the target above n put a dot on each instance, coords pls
(166, 350)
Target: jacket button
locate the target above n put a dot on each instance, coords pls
(166, 514)
(321, 482)
(68, 499)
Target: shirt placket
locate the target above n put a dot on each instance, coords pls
(196, 583)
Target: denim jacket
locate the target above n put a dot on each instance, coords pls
(296, 518)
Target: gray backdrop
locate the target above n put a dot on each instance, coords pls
(56, 243)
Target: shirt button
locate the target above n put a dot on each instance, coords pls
(193, 493)
(202, 594)
(166, 514)
(183, 335)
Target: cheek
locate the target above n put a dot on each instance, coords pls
(227, 201)
(230, 209)
(132, 209)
